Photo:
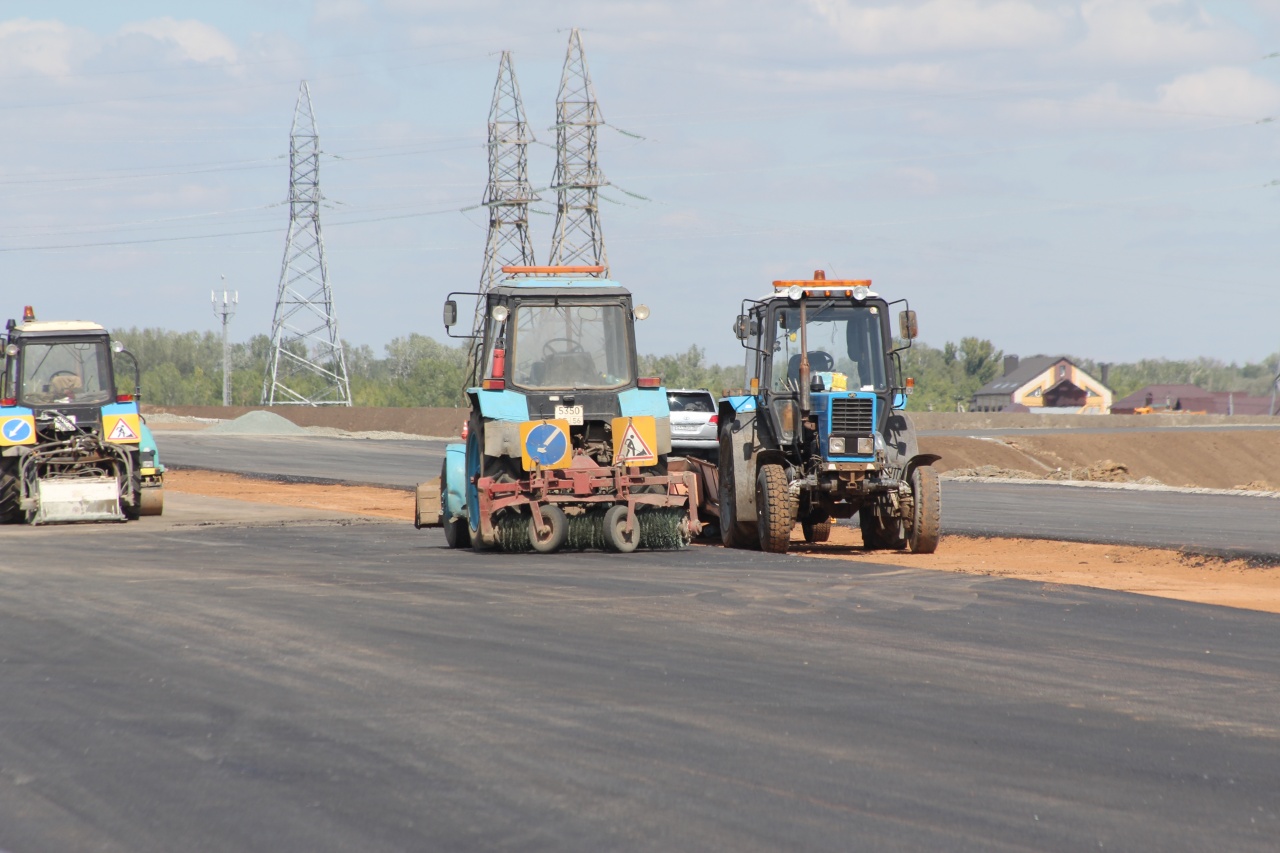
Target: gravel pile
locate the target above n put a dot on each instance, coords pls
(258, 423)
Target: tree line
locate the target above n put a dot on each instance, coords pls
(185, 369)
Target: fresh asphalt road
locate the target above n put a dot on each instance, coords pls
(1214, 524)
(318, 687)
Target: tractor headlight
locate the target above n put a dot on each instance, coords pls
(788, 419)
(836, 445)
(866, 445)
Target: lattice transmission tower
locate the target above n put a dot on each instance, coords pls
(508, 194)
(578, 239)
(307, 365)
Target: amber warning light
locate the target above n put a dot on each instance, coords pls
(28, 314)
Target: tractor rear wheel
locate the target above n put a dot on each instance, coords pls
(879, 530)
(615, 536)
(925, 525)
(555, 530)
(131, 496)
(475, 470)
(10, 492)
(775, 509)
(733, 533)
(456, 534)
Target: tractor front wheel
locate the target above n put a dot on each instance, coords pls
(775, 509)
(925, 526)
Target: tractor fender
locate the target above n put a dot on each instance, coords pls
(744, 442)
(455, 472)
(900, 444)
(917, 461)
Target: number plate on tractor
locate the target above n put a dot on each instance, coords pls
(572, 414)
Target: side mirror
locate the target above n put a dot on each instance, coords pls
(907, 328)
(742, 327)
(450, 314)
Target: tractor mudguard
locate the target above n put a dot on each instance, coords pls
(742, 431)
(917, 461)
(455, 495)
(900, 440)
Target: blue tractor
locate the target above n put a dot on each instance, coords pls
(819, 432)
(566, 446)
(73, 445)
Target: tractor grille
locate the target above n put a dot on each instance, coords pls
(852, 416)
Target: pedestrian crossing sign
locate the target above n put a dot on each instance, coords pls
(635, 441)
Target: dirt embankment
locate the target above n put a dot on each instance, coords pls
(1198, 458)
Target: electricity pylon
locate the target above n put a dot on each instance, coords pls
(578, 239)
(507, 196)
(307, 366)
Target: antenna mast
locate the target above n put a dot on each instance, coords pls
(578, 239)
(507, 196)
(307, 366)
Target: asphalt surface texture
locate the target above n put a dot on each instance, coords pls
(319, 685)
(1214, 524)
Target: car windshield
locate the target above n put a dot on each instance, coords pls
(843, 340)
(66, 372)
(569, 346)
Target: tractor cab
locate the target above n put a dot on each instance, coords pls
(61, 371)
(823, 365)
(559, 343)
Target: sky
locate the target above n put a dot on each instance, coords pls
(1097, 178)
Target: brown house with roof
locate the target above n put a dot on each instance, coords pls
(1185, 398)
(1044, 384)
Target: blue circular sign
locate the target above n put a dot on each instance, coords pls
(16, 429)
(546, 444)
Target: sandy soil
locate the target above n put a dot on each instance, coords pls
(1142, 570)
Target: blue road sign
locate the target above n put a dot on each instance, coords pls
(546, 444)
(16, 429)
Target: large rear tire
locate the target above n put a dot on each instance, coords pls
(925, 527)
(879, 531)
(733, 533)
(456, 534)
(775, 509)
(131, 503)
(475, 469)
(10, 492)
(816, 531)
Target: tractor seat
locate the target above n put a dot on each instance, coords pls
(566, 370)
(819, 362)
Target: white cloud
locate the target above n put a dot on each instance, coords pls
(1222, 91)
(194, 40)
(1142, 32)
(45, 47)
(947, 25)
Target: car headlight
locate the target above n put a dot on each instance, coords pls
(836, 444)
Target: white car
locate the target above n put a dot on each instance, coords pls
(694, 423)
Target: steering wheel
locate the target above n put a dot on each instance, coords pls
(821, 361)
(573, 346)
(58, 373)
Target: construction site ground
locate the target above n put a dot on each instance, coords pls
(1224, 457)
